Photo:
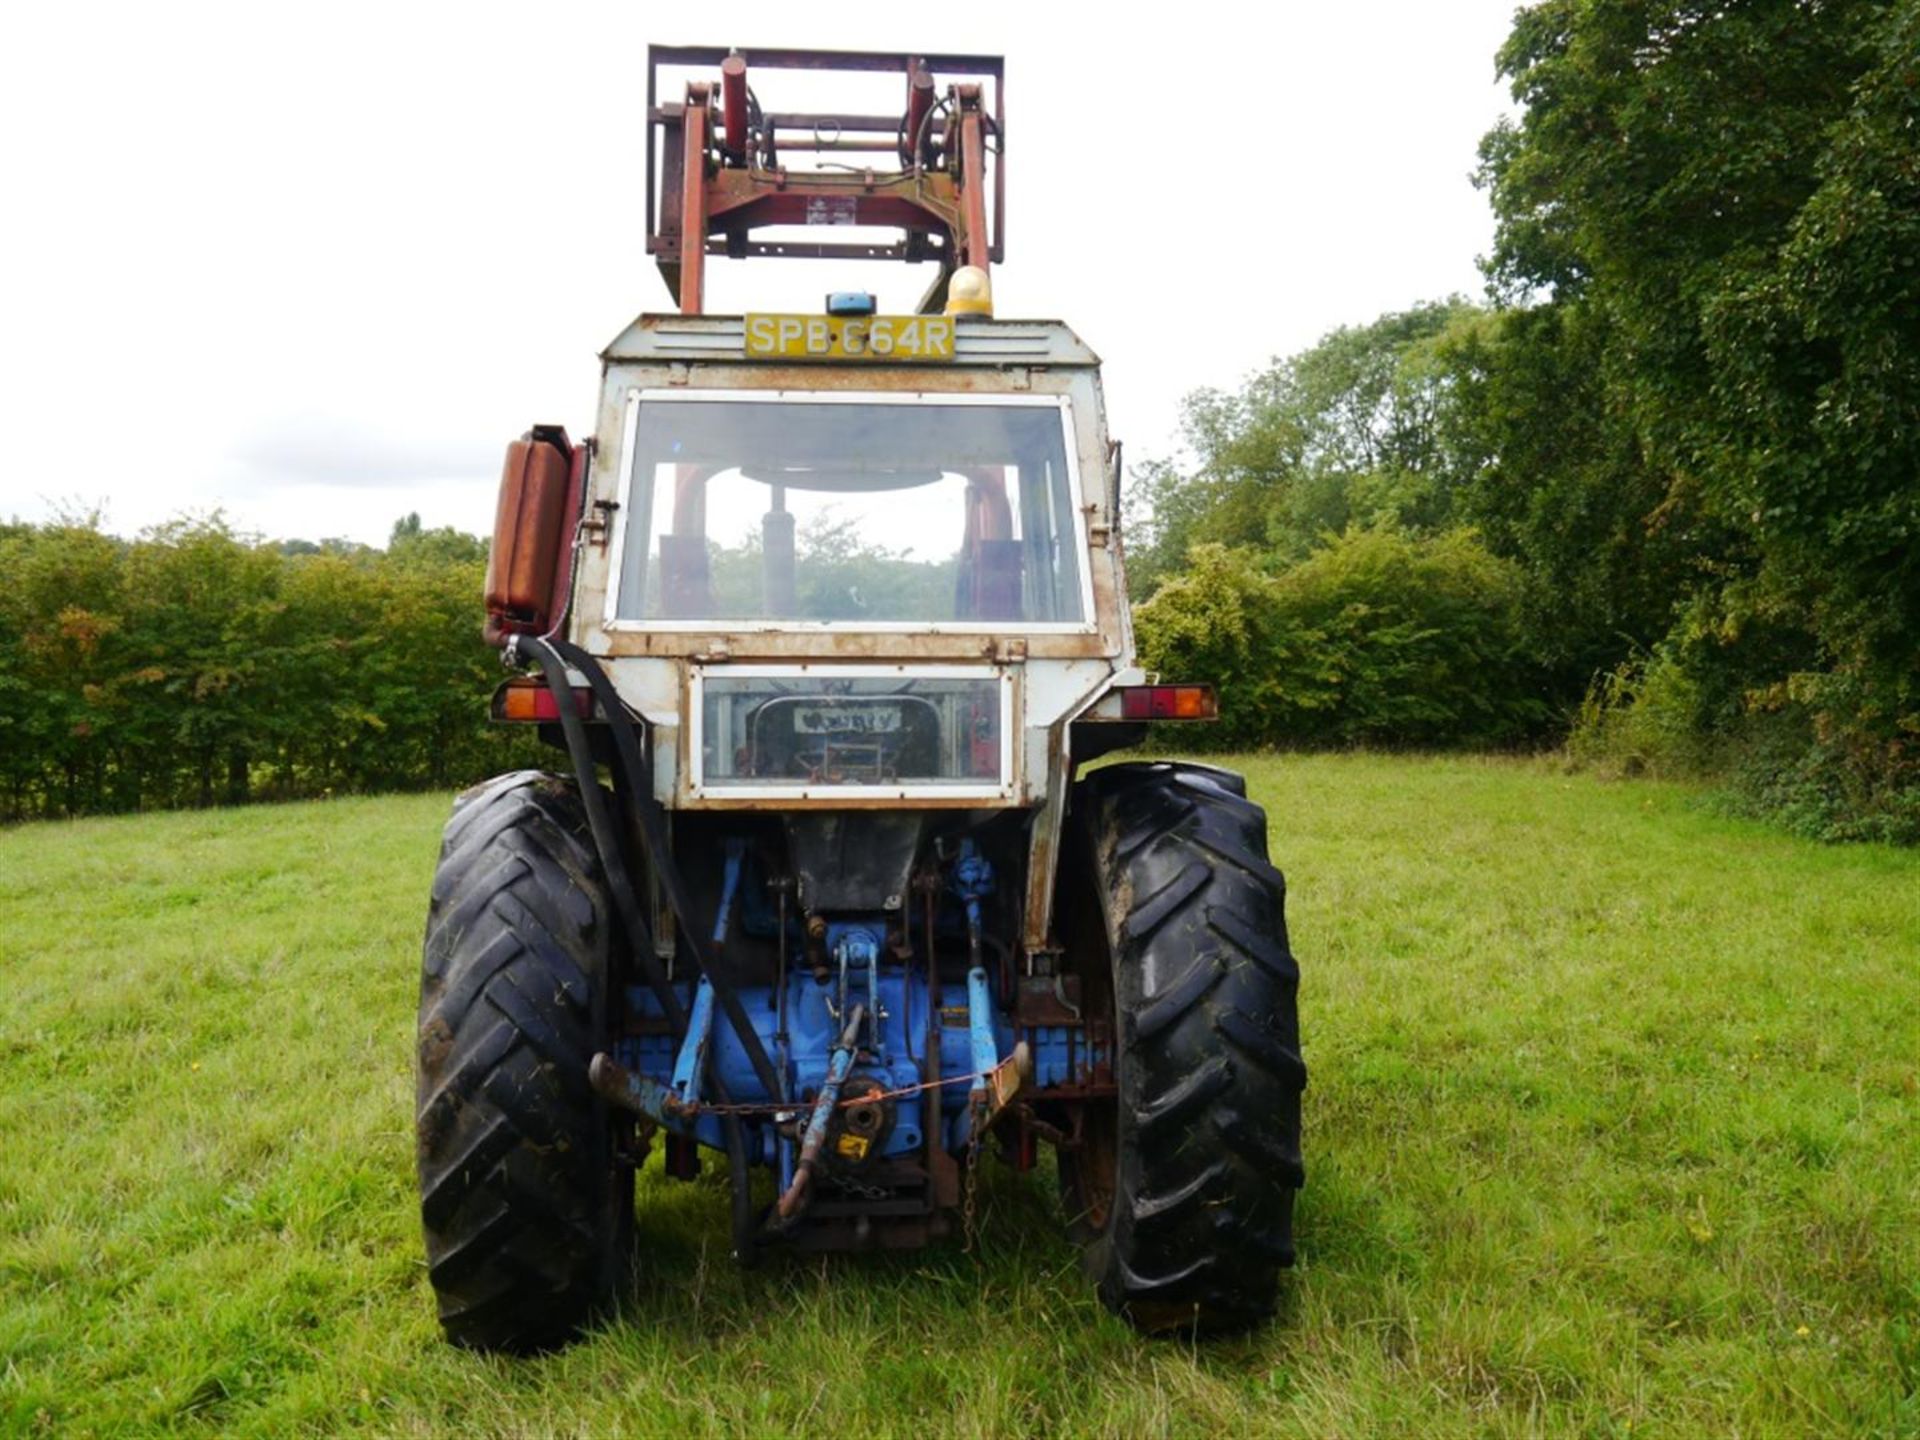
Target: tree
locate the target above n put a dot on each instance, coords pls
(1726, 196)
(1553, 478)
(1343, 433)
(1815, 356)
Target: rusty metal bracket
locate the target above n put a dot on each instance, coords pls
(793, 1203)
(1005, 1079)
(715, 171)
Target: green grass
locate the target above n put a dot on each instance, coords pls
(1611, 1131)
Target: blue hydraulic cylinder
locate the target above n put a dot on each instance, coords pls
(690, 1064)
(855, 948)
(985, 1050)
(984, 1045)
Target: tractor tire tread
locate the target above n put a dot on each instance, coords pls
(1210, 1072)
(519, 1194)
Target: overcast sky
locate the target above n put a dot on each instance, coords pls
(315, 264)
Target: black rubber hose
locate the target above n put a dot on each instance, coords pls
(626, 747)
(605, 838)
(612, 860)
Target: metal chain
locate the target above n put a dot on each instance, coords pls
(968, 1228)
(795, 1107)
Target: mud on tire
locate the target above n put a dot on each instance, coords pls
(526, 1214)
(1183, 1190)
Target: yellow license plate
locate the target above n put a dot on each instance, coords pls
(890, 339)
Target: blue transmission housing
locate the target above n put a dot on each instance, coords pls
(856, 986)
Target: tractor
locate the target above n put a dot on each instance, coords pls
(829, 621)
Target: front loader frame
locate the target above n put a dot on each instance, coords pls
(715, 170)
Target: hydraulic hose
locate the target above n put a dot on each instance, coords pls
(640, 938)
(659, 856)
(605, 838)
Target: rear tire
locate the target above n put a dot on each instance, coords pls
(1182, 1191)
(528, 1217)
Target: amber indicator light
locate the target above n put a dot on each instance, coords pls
(531, 700)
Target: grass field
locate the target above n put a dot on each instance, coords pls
(1611, 1131)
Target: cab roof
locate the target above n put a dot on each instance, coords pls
(722, 338)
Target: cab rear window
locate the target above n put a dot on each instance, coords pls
(876, 510)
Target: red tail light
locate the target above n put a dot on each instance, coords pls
(1168, 702)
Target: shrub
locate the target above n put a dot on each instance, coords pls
(1643, 717)
(1780, 753)
(1791, 775)
(1378, 637)
(194, 665)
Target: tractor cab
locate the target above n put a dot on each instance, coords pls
(943, 521)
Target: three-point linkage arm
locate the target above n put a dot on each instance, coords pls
(718, 172)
